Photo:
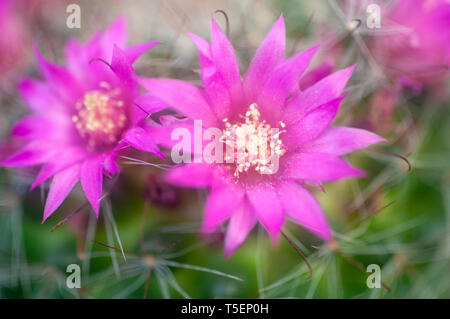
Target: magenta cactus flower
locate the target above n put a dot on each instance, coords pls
(267, 96)
(418, 55)
(83, 115)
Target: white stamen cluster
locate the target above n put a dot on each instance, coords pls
(101, 116)
(254, 142)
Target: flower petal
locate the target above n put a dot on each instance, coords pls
(315, 75)
(318, 167)
(115, 34)
(135, 51)
(267, 206)
(221, 203)
(197, 175)
(303, 208)
(222, 54)
(122, 67)
(186, 98)
(311, 125)
(162, 134)
(341, 140)
(69, 157)
(91, 177)
(213, 82)
(282, 80)
(150, 103)
(141, 140)
(240, 225)
(38, 95)
(60, 187)
(270, 53)
(31, 127)
(110, 165)
(325, 90)
(58, 77)
(33, 153)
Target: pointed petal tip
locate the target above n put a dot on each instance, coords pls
(315, 48)
(215, 26)
(160, 154)
(116, 47)
(280, 20)
(120, 21)
(350, 69)
(192, 35)
(228, 251)
(47, 213)
(379, 139)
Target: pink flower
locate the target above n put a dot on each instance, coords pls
(418, 54)
(14, 42)
(309, 149)
(83, 114)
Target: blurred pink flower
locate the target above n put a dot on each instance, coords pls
(83, 114)
(309, 149)
(418, 55)
(14, 42)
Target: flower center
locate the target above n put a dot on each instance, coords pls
(256, 143)
(101, 116)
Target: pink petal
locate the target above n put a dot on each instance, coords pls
(311, 125)
(269, 54)
(162, 134)
(303, 208)
(110, 165)
(135, 51)
(69, 157)
(33, 153)
(60, 187)
(241, 223)
(140, 139)
(31, 127)
(38, 95)
(341, 140)
(115, 34)
(213, 82)
(221, 203)
(267, 206)
(203, 47)
(282, 80)
(150, 103)
(222, 54)
(58, 77)
(184, 97)
(318, 167)
(197, 175)
(316, 74)
(319, 93)
(91, 177)
(122, 67)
